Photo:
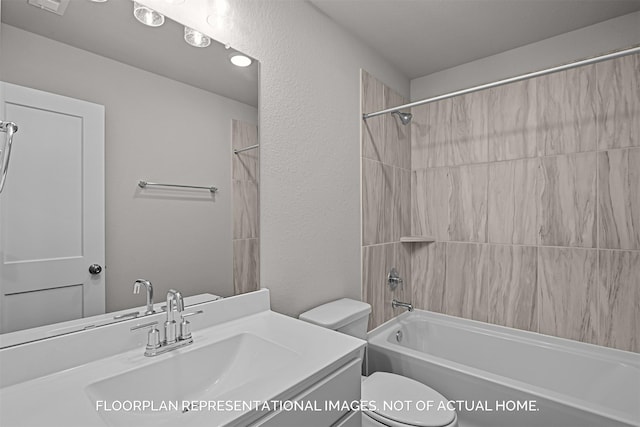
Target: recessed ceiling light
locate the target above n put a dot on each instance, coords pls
(196, 38)
(147, 15)
(99, 1)
(240, 60)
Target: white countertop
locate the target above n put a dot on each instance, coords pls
(62, 399)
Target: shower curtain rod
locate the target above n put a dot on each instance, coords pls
(521, 77)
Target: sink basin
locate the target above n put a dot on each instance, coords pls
(203, 373)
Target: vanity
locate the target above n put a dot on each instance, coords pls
(247, 366)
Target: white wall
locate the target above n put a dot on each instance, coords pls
(310, 227)
(156, 129)
(614, 34)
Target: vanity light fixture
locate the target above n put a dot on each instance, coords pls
(196, 38)
(147, 15)
(240, 60)
(54, 6)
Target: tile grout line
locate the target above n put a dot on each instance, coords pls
(632, 147)
(598, 307)
(515, 245)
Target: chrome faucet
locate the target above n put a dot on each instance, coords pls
(175, 336)
(175, 303)
(147, 284)
(395, 304)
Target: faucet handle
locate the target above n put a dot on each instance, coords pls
(394, 279)
(153, 337)
(192, 313)
(144, 325)
(132, 314)
(185, 326)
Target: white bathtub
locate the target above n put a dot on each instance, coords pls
(487, 367)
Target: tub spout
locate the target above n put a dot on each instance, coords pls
(395, 304)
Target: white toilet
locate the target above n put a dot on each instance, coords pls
(350, 317)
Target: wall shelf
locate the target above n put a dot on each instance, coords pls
(417, 239)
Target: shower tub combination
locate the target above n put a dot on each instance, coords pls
(501, 377)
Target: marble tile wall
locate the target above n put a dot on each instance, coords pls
(561, 253)
(245, 195)
(386, 200)
(532, 192)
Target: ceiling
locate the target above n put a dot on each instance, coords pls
(420, 37)
(110, 30)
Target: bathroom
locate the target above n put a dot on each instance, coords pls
(328, 180)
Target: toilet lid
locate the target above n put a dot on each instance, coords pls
(381, 387)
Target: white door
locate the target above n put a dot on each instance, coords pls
(51, 210)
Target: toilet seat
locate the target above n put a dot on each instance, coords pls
(382, 387)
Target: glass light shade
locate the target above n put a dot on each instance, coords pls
(196, 38)
(147, 16)
(240, 60)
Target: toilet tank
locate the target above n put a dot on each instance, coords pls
(344, 315)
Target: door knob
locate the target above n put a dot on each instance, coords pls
(95, 269)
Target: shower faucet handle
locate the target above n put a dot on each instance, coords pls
(394, 279)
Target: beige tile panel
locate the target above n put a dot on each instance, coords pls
(619, 299)
(465, 292)
(419, 135)
(402, 263)
(379, 212)
(512, 202)
(567, 279)
(567, 209)
(431, 134)
(512, 123)
(397, 143)
(377, 262)
(430, 193)
(469, 127)
(511, 278)
(468, 203)
(373, 133)
(428, 269)
(405, 200)
(567, 109)
(245, 164)
(618, 86)
(246, 265)
(245, 210)
(619, 199)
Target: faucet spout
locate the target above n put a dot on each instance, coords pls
(149, 287)
(175, 303)
(395, 304)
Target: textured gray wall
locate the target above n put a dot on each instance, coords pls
(310, 227)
